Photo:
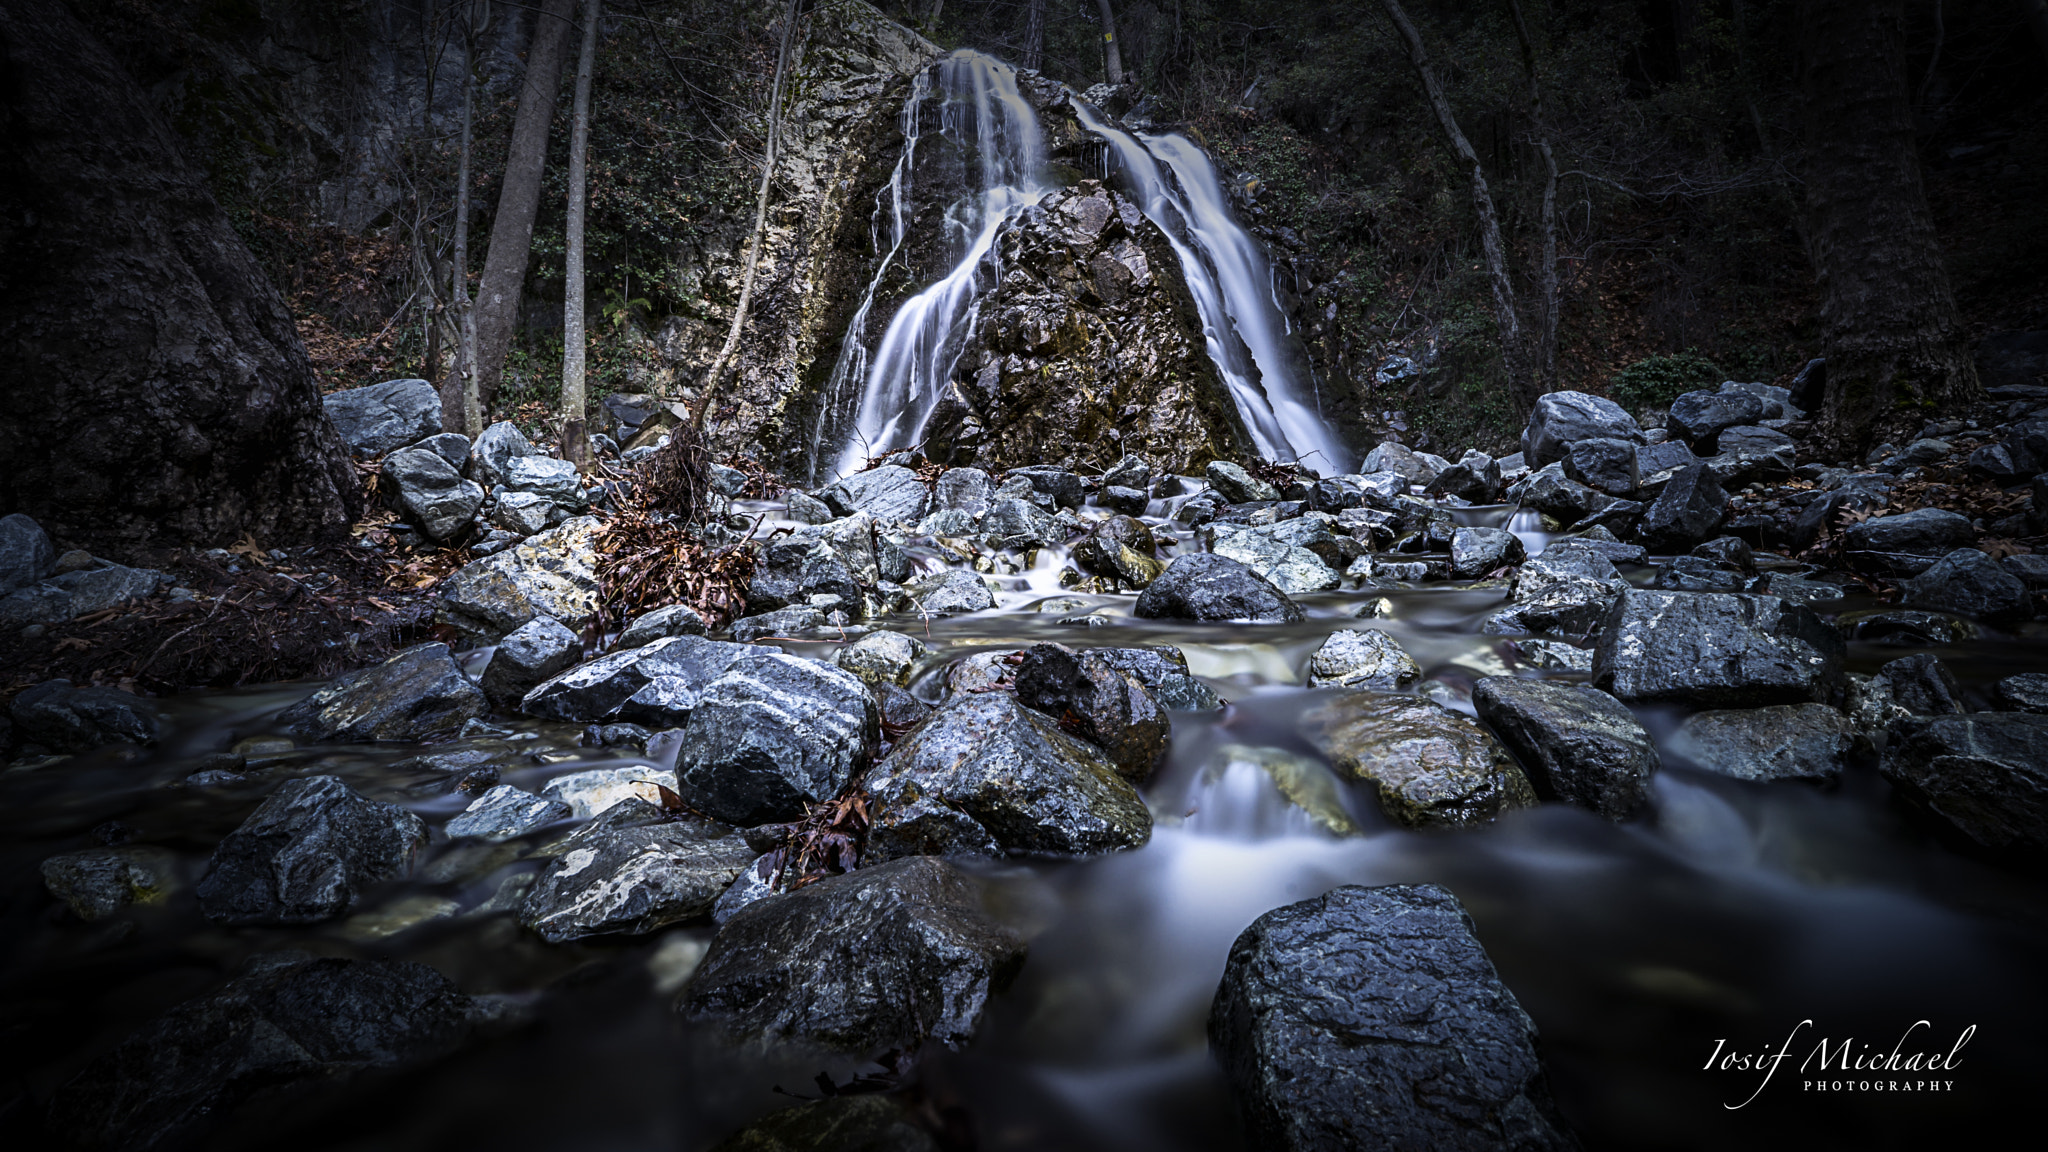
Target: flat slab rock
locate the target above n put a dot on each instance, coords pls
(635, 880)
(804, 968)
(1716, 650)
(1372, 1018)
(420, 694)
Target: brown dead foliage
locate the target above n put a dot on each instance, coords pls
(678, 477)
(761, 483)
(828, 841)
(646, 562)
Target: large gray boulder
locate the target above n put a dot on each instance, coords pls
(1579, 745)
(1203, 586)
(962, 490)
(1700, 416)
(375, 419)
(307, 853)
(491, 456)
(1985, 775)
(535, 651)
(1086, 694)
(63, 718)
(1714, 650)
(1288, 567)
(432, 492)
(289, 1020)
(1362, 658)
(1969, 583)
(985, 775)
(891, 494)
(1413, 467)
(1562, 419)
(551, 574)
(1907, 543)
(1605, 465)
(26, 554)
(774, 733)
(1015, 523)
(1568, 590)
(1477, 552)
(635, 880)
(1431, 767)
(1372, 1018)
(1689, 509)
(883, 657)
(657, 685)
(1236, 485)
(419, 695)
(952, 592)
(887, 959)
(1775, 742)
(547, 477)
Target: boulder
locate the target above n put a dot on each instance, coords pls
(962, 490)
(1578, 744)
(505, 812)
(1776, 401)
(790, 621)
(1362, 658)
(1289, 568)
(804, 968)
(1656, 463)
(1056, 487)
(660, 624)
(63, 718)
(375, 419)
(1700, 416)
(2027, 692)
(289, 1020)
(1431, 767)
(1236, 485)
(551, 479)
(1907, 543)
(1088, 696)
(490, 458)
(1775, 742)
(1562, 419)
(99, 882)
(26, 554)
(1475, 479)
(1412, 466)
(1700, 574)
(1204, 586)
(985, 775)
(1711, 650)
(1688, 510)
(1567, 590)
(537, 650)
(1549, 491)
(1985, 775)
(891, 494)
(1123, 557)
(635, 880)
(418, 695)
(883, 657)
(450, 446)
(522, 514)
(1012, 523)
(1604, 464)
(433, 494)
(551, 574)
(953, 591)
(1969, 583)
(1921, 685)
(1163, 670)
(1477, 552)
(1130, 501)
(1372, 1018)
(1752, 440)
(772, 734)
(596, 791)
(2022, 452)
(657, 685)
(307, 853)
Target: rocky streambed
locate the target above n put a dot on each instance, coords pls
(1474, 803)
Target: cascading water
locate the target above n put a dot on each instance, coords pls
(1232, 283)
(909, 368)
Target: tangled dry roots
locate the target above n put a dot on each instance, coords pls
(648, 562)
(678, 479)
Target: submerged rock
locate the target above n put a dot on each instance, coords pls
(1711, 650)
(986, 776)
(98, 882)
(307, 853)
(1201, 586)
(773, 733)
(64, 718)
(292, 1020)
(1984, 775)
(1432, 767)
(552, 574)
(804, 968)
(1362, 658)
(1776, 742)
(1092, 698)
(1579, 745)
(635, 880)
(1372, 1018)
(419, 695)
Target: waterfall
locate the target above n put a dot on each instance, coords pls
(1232, 283)
(909, 369)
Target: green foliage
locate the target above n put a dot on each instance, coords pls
(1656, 381)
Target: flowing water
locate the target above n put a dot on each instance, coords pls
(1731, 913)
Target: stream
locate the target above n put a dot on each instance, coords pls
(1730, 913)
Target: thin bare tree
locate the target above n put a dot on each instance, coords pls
(1546, 272)
(575, 441)
(460, 411)
(1112, 56)
(1032, 53)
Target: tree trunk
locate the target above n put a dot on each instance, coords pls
(156, 391)
(1520, 387)
(1895, 346)
(497, 295)
(1546, 272)
(1033, 54)
(575, 441)
(1112, 56)
(461, 409)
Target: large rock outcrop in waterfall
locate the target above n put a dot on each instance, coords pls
(156, 390)
(1088, 348)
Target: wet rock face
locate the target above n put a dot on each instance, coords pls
(1433, 768)
(985, 776)
(1090, 338)
(1163, 670)
(1908, 543)
(293, 1020)
(1579, 745)
(552, 574)
(1090, 697)
(505, 812)
(1985, 775)
(803, 969)
(306, 854)
(99, 882)
(535, 651)
(1362, 658)
(657, 684)
(1372, 1018)
(1202, 586)
(1712, 650)
(1969, 583)
(1776, 742)
(421, 695)
(773, 733)
(1568, 590)
(375, 419)
(1269, 553)
(66, 719)
(1476, 552)
(635, 880)
(1562, 419)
